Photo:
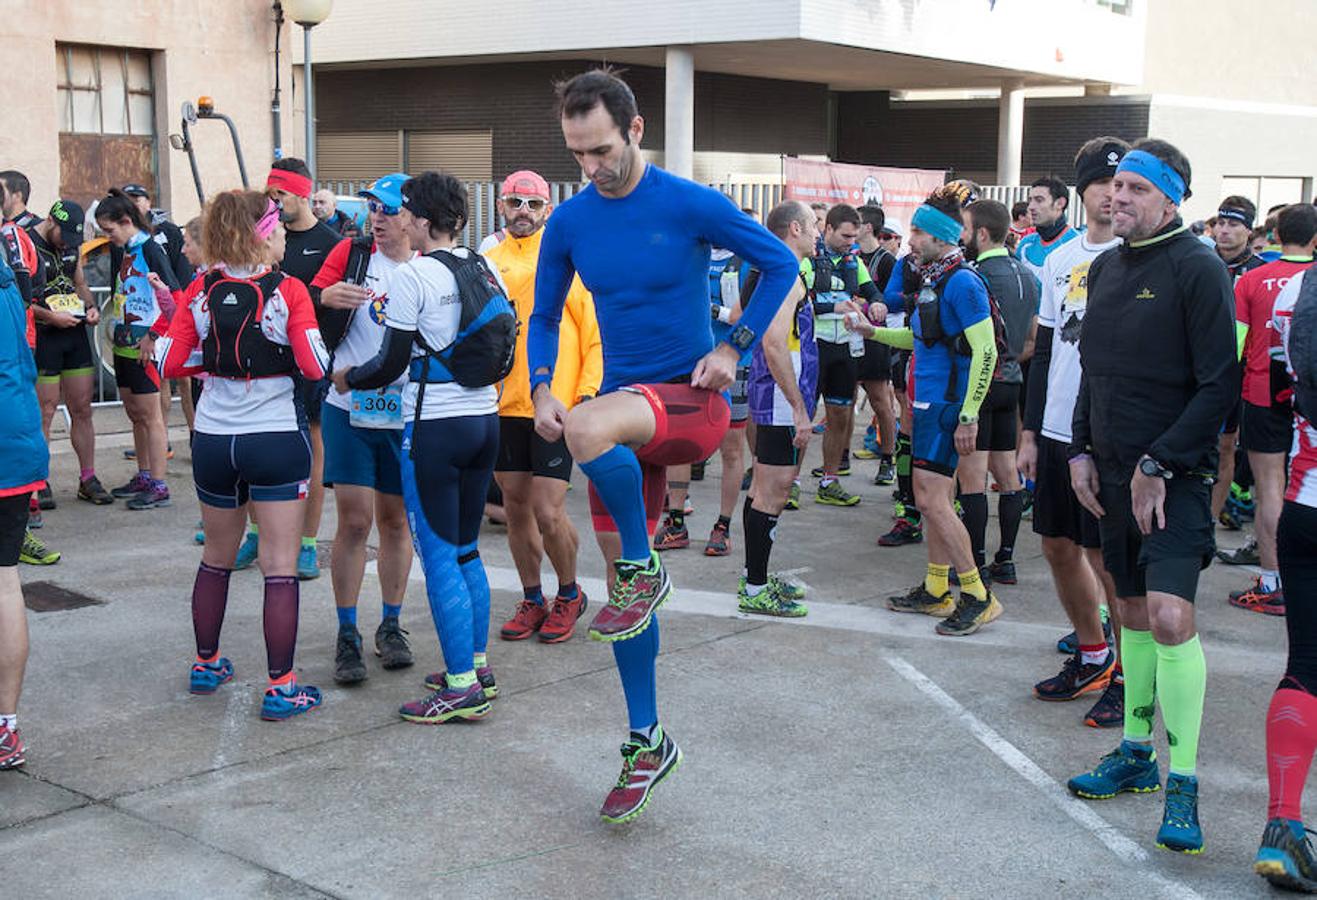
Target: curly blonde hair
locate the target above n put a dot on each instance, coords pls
(228, 233)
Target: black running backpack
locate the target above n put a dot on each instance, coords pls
(481, 353)
(235, 346)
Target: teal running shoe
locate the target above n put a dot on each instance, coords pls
(206, 678)
(1127, 768)
(308, 564)
(284, 703)
(1285, 858)
(788, 589)
(1180, 831)
(768, 602)
(248, 551)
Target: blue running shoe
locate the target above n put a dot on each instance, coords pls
(207, 677)
(247, 552)
(281, 703)
(1127, 768)
(1286, 857)
(1180, 830)
(308, 563)
(1069, 645)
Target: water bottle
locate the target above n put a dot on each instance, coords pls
(856, 340)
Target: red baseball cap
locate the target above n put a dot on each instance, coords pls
(525, 184)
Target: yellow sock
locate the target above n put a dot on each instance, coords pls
(972, 584)
(935, 582)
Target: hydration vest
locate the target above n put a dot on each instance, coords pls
(929, 306)
(235, 346)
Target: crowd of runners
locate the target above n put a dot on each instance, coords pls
(1126, 387)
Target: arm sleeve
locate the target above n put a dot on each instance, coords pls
(982, 362)
(303, 332)
(394, 355)
(1036, 390)
(553, 278)
(592, 348)
(1207, 314)
(723, 225)
(174, 351)
(900, 338)
(1081, 434)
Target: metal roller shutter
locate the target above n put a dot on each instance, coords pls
(468, 155)
(357, 155)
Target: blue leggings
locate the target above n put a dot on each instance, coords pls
(444, 490)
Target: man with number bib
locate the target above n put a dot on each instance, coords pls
(362, 432)
(640, 239)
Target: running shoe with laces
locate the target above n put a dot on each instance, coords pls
(1246, 555)
(527, 620)
(919, 600)
(904, 531)
(448, 703)
(248, 551)
(642, 769)
(1229, 520)
(1002, 571)
(1109, 711)
(11, 748)
(833, 494)
(308, 563)
(1069, 645)
(1255, 599)
(786, 588)
(1180, 831)
(135, 486)
(793, 496)
(1286, 858)
(866, 452)
(768, 602)
(206, 678)
(720, 541)
(281, 703)
(1075, 678)
(92, 491)
(560, 624)
(886, 473)
(1126, 768)
(154, 497)
(391, 644)
(637, 593)
(34, 552)
(842, 470)
(971, 614)
(46, 497)
(672, 536)
(438, 681)
(349, 666)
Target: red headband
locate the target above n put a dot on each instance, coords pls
(288, 181)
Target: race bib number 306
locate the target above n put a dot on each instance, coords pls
(377, 409)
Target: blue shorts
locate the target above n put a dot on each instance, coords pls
(933, 443)
(269, 466)
(367, 457)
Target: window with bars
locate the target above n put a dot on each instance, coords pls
(105, 90)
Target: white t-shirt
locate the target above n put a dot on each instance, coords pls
(423, 298)
(366, 333)
(1061, 307)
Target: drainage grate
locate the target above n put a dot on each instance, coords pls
(46, 596)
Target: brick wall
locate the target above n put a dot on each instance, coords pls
(515, 102)
(962, 136)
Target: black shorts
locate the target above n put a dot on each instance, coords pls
(774, 447)
(1232, 418)
(313, 395)
(900, 364)
(1169, 559)
(132, 375)
(521, 449)
(997, 418)
(63, 351)
(1267, 429)
(1057, 512)
(267, 466)
(838, 373)
(876, 364)
(13, 525)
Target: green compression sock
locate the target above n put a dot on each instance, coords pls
(1138, 658)
(1181, 684)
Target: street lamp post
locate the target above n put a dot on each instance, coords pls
(309, 14)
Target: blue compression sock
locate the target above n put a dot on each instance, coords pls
(347, 615)
(635, 665)
(392, 611)
(618, 482)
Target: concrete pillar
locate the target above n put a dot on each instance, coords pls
(1010, 132)
(679, 121)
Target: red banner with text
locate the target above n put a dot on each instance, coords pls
(898, 191)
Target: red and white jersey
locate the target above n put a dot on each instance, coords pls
(1303, 454)
(247, 405)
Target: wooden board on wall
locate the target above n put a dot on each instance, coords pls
(90, 164)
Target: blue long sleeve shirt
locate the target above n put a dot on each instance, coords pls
(645, 258)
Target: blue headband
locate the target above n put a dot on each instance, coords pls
(937, 223)
(1162, 176)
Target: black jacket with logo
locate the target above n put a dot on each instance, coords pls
(1159, 356)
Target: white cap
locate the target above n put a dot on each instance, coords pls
(892, 225)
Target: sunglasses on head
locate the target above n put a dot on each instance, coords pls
(534, 204)
(379, 208)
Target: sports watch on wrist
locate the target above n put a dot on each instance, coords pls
(968, 420)
(1153, 469)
